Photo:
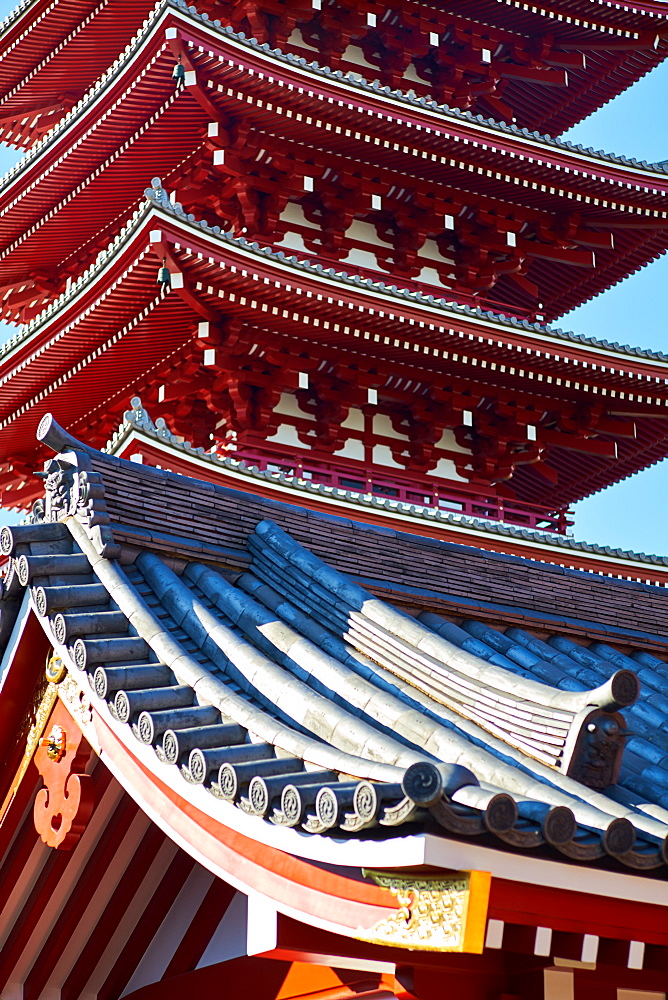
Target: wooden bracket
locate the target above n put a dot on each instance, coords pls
(64, 806)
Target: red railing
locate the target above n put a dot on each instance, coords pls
(419, 491)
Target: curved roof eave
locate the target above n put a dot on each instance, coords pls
(535, 539)
(541, 334)
(16, 14)
(236, 670)
(527, 139)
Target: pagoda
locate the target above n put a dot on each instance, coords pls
(334, 704)
(351, 239)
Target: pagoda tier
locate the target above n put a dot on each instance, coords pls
(455, 515)
(50, 54)
(262, 351)
(545, 67)
(358, 635)
(373, 179)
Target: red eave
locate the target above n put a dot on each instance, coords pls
(71, 195)
(110, 332)
(52, 53)
(610, 68)
(49, 57)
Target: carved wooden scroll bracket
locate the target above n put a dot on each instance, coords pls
(64, 806)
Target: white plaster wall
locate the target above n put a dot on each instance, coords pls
(294, 214)
(362, 258)
(354, 421)
(446, 469)
(447, 440)
(352, 449)
(365, 232)
(355, 55)
(293, 241)
(287, 434)
(430, 276)
(289, 407)
(430, 251)
(410, 74)
(296, 38)
(382, 455)
(382, 425)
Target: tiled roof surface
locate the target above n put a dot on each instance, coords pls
(571, 666)
(138, 420)
(213, 522)
(289, 690)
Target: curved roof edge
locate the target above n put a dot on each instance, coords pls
(284, 707)
(15, 14)
(337, 275)
(422, 103)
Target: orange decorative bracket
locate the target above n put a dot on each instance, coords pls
(64, 806)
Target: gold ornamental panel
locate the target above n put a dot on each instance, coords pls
(435, 912)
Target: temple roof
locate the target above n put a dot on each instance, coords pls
(263, 677)
(337, 275)
(137, 431)
(353, 80)
(51, 53)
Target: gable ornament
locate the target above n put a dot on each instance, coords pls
(65, 803)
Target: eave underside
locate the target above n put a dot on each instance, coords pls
(47, 209)
(136, 335)
(57, 75)
(608, 74)
(51, 58)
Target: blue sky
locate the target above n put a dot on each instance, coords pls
(631, 514)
